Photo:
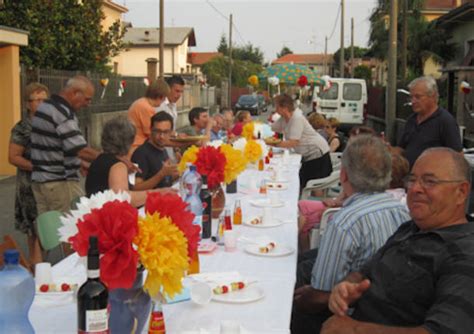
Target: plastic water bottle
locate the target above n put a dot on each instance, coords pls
(17, 290)
(191, 187)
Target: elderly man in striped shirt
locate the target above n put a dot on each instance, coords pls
(57, 146)
(368, 217)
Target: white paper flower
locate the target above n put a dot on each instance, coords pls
(239, 144)
(274, 81)
(264, 129)
(84, 207)
(216, 143)
(263, 146)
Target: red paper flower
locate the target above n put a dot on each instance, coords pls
(302, 81)
(172, 206)
(211, 162)
(115, 225)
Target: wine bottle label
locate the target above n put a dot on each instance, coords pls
(97, 321)
(157, 323)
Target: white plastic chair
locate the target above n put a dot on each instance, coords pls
(324, 184)
(336, 160)
(316, 233)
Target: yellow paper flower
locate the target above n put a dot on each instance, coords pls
(253, 151)
(189, 156)
(247, 131)
(163, 250)
(235, 162)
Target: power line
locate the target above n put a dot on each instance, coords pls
(335, 23)
(217, 10)
(227, 19)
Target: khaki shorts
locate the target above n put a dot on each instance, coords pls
(56, 195)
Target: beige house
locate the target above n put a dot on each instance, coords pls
(144, 43)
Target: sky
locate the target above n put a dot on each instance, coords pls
(268, 24)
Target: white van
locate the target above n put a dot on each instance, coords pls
(346, 99)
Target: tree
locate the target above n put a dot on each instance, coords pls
(363, 72)
(64, 35)
(247, 52)
(425, 39)
(223, 46)
(284, 51)
(358, 53)
(217, 70)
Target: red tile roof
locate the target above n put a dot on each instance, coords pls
(200, 58)
(308, 58)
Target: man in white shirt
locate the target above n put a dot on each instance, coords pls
(176, 84)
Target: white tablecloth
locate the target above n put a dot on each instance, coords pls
(276, 275)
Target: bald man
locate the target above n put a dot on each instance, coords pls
(57, 146)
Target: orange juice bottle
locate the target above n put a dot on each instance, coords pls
(194, 264)
(260, 165)
(237, 213)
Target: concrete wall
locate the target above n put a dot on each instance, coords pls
(460, 36)
(10, 101)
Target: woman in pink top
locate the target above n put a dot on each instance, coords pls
(243, 117)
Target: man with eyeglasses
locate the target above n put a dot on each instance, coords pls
(58, 146)
(429, 125)
(422, 279)
(157, 171)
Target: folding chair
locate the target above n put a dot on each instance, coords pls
(10, 243)
(48, 224)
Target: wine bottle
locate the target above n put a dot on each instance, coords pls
(206, 200)
(93, 296)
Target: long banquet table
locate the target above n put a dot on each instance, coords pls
(276, 275)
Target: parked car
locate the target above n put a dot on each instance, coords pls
(346, 100)
(250, 103)
(262, 103)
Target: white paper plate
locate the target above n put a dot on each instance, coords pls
(279, 250)
(247, 295)
(282, 180)
(264, 202)
(273, 223)
(276, 186)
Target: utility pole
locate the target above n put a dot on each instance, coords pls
(352, 47)
(341, 54)
(230, 62)
(162, 39)
(403, 63)
(326, 55)
(391, 93)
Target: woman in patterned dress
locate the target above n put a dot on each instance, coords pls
(19, 156)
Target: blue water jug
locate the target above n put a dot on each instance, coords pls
(17, 290)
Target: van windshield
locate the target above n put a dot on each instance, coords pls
(331, 93)
(352, 92)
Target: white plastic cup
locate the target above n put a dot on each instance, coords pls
(274, 198)
(229, 327)
(43, 273)
(230, 241)
(267, 215)
(200, 293)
